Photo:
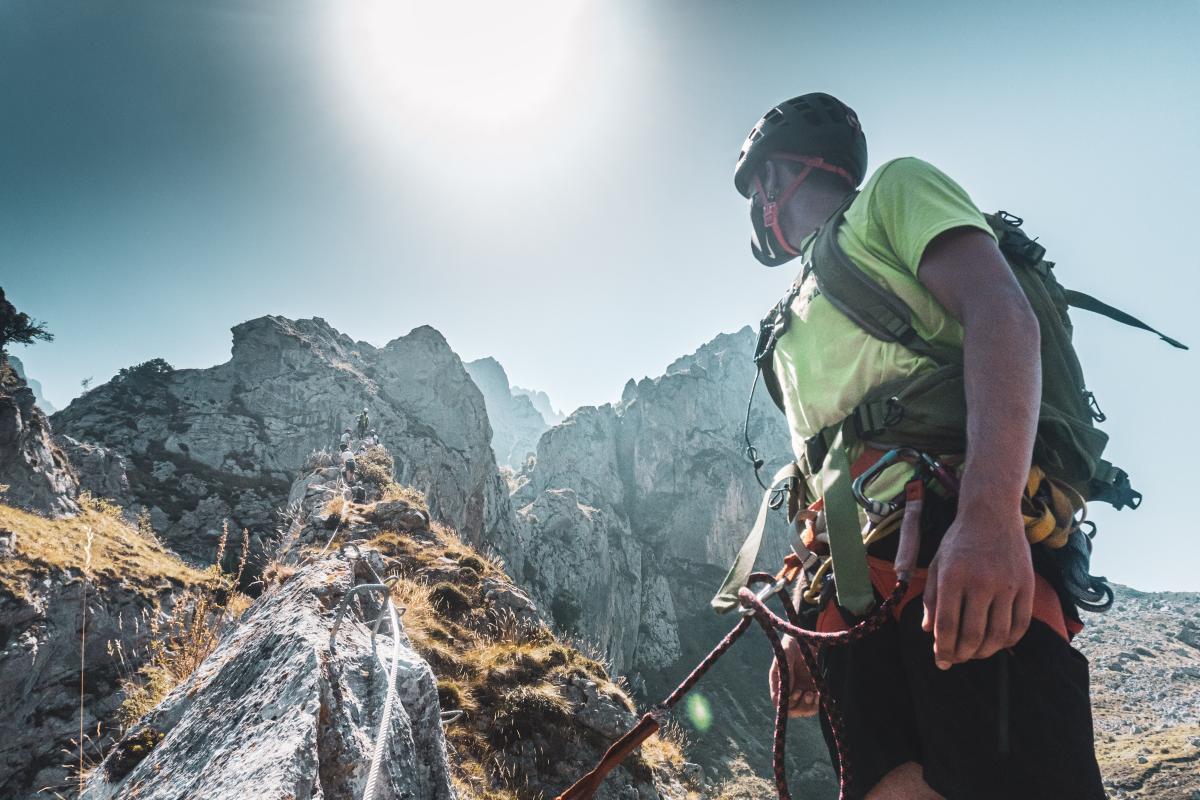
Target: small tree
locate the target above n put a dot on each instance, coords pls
(17, 327)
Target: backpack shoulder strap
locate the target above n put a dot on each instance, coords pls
(856, 294)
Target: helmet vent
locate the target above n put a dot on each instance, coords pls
(813, 118)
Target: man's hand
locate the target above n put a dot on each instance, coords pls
(804, 698)
(979, 593)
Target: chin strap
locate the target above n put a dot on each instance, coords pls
(771, 247)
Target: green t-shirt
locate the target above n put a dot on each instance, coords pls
(824, 362)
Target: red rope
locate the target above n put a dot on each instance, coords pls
(810, 642)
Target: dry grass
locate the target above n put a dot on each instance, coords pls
(407, 494)
(1169, 769)
(507, 676)
(118, 551)
(375, 466)
(180, 641)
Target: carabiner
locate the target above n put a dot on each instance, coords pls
(881, 508)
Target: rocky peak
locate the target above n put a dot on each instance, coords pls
(516, 422)
(34, 473)
(221, 443)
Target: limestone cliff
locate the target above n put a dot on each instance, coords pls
(205, 445)
(34, 473)
(516, 423)
(629, 518)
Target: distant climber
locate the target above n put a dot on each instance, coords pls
(348, 464)
(371, 439)
(345, 441)
(364, 423)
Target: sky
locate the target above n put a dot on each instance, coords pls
(549, 182)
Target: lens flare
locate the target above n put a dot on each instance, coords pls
(699, 712)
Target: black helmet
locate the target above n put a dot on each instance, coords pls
(814, 124)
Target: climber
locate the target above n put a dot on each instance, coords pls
(364, 423)
(371, 439)
(345, 440)
(922, 702)
(348, 465)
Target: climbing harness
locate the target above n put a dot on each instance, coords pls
(352, 554)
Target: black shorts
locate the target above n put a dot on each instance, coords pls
(897, 706)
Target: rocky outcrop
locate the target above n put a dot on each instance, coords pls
(290, 703)
(44, 601)
(205, 445)
(100, 471)
(283, 708)
(516, 422)
(34, 474)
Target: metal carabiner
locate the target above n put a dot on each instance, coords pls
(881, 508)
(770, 590)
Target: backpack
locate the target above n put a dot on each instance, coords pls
(928, 411)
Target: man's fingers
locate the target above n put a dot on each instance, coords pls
(999, 624)
(929, 599)
(945, 626)
(971, 627)
(1021, 613)
(803, 704)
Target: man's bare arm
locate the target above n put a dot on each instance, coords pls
(979, 594)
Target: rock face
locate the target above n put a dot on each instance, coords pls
(44, 601)
(626, 499)
(99, 470)
(516, 423)
(281, 709)
(205, 445)
(630, 517)
(36, 474)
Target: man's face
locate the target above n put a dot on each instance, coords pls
(771, 180)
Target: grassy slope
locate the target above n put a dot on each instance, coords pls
(119, 552)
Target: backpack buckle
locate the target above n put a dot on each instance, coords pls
(1094, 407)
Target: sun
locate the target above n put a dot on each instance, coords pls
(413, 65)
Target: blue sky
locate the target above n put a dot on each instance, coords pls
(552, 186)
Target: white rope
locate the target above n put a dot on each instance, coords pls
(390, 672)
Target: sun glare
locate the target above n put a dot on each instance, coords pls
(416, 64)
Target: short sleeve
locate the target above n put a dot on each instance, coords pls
(913, 202)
